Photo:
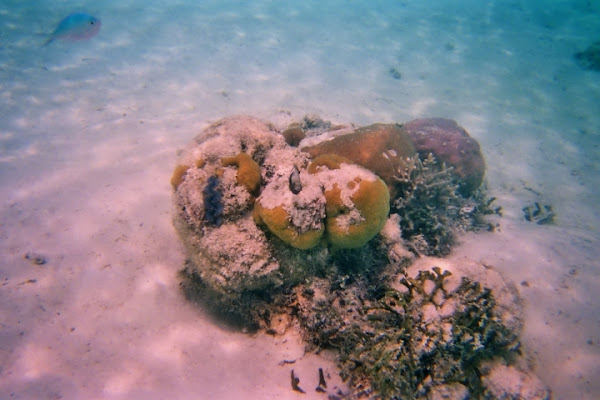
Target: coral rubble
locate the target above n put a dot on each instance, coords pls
(541, 214)
(418, 333)
(280, 227)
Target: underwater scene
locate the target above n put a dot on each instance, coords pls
(333, 199)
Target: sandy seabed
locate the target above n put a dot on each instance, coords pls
(89, 134)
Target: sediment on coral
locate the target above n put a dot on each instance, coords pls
(248, 174)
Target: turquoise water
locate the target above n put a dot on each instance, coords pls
(89, 132)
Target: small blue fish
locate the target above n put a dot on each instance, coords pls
(76, 27)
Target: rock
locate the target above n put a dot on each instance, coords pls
(452, 391)
(450, 144)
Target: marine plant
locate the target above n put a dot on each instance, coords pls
(393, 342)
(541, 214)
(431, 207)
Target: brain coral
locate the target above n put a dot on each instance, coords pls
(297, 219)
(357, 201)
(380, 148)
(248, 174)
(345, 201)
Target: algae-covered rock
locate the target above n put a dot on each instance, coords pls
(428, 331)
(237, 208)
(213, 205)
(242, 168)
(272, 235)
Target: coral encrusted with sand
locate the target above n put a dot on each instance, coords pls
(329, 228)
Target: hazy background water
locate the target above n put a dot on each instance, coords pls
(502, 68)
(127, 99)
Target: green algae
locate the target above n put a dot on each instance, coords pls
(388, 346)
(432, 209)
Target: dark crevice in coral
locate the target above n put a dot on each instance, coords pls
(213, 204)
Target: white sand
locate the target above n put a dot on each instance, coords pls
(88, 139)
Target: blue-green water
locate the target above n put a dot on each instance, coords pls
(89, 132)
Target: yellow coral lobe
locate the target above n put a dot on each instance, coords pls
(248, 174)
(372, 201)
(330, 161)
(278, 222)
(333, 201)
(178, 175)
(293, 135)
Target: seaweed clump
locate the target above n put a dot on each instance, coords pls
(541, 214)
(430, 333)
(432, 209)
